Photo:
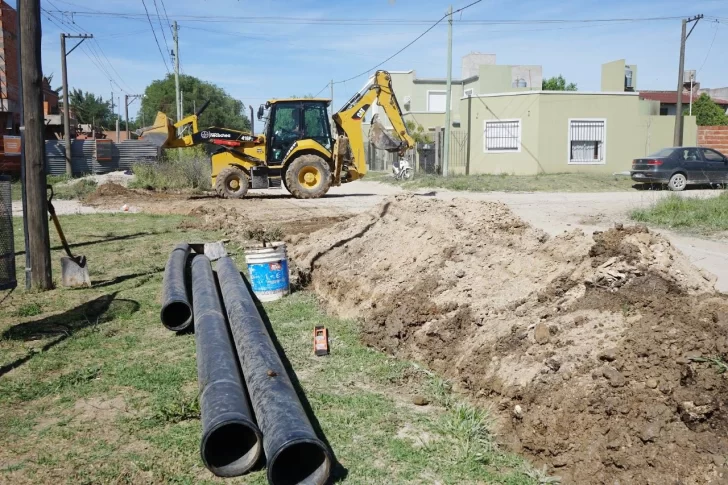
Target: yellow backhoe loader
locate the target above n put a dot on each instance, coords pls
(297, 147)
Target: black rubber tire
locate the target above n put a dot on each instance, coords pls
(295, 185)
(225, 177)
(678, 182)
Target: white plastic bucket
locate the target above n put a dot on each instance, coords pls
(268, 270)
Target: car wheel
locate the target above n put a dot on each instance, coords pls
(678, 182)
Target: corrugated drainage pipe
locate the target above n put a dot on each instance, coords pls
(176, 311)
(231, 442)
(295, 455)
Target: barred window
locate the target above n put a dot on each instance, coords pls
(502, 136)
(587, 139)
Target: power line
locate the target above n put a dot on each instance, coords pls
(369, 21)
(86, 48)
(322, 89)
(405, 47)
(709, 48)
(164, 8)
(159, 19)
(164, 59)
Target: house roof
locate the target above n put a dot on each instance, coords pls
(670, 97)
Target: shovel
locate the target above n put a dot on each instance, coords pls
(74, 271)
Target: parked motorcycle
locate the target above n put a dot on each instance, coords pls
(401, 169)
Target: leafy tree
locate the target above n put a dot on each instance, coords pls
(90, 108)
(558, 83)
(417, 132)
(707, 113)
(223, 111)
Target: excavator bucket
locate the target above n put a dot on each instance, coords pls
(381, 139)
(161, 133)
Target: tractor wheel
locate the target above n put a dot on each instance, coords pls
(231, 183)
(308, 177)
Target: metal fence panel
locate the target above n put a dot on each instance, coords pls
(130, 152)
(7, 245)
(83, 156)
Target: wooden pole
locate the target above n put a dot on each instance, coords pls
(34, 145)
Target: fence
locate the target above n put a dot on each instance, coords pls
(7, 249)
(88, 156)
(458, 160)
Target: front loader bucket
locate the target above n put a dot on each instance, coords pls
(381, 139)
(161, 133)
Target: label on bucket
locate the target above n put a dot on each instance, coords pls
(269, 278)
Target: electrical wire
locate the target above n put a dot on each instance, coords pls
(709, 48)
(159, 19)
(408, 45)
(89, 48)
(370, 21)
(164, 59)
(322, 89)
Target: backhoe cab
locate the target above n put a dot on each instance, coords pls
(296, 148)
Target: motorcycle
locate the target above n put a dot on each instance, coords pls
(401, 169)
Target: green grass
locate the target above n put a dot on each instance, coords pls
(63, 187)
(561, 182)
(102, 393)
(691, 213)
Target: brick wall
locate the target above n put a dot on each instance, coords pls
(9, 49)
(714, 137)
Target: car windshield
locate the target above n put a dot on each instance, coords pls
(664, 153)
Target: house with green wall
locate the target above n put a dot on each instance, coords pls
(504, 122)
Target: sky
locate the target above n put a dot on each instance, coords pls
(279, 48)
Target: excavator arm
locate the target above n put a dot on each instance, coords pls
(349, 147)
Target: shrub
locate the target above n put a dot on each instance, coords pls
(188, 169)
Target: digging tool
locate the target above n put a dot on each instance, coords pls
(74, 270)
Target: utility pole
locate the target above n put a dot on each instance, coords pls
(176, 70)
(133, 98)
(66, 107)
(118, 118)
(448, 97)
(678, 139)
(332, 98)
(31, 74)
(23, 183)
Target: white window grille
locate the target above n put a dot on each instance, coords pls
(502, 136)
(587, 141)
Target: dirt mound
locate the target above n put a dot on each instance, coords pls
(110, 189)
(591, 337)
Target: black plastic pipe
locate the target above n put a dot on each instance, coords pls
(294, 454)
(231, 442)
(176, 311)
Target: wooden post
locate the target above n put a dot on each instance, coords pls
(34, 145)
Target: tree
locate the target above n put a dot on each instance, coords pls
(417, 132)
(223, 111)
(90, 108)
(558, 83)
(707, 113)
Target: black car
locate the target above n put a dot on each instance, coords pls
(678, 167)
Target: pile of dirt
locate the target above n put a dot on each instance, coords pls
(587, 345)
(111, 190)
